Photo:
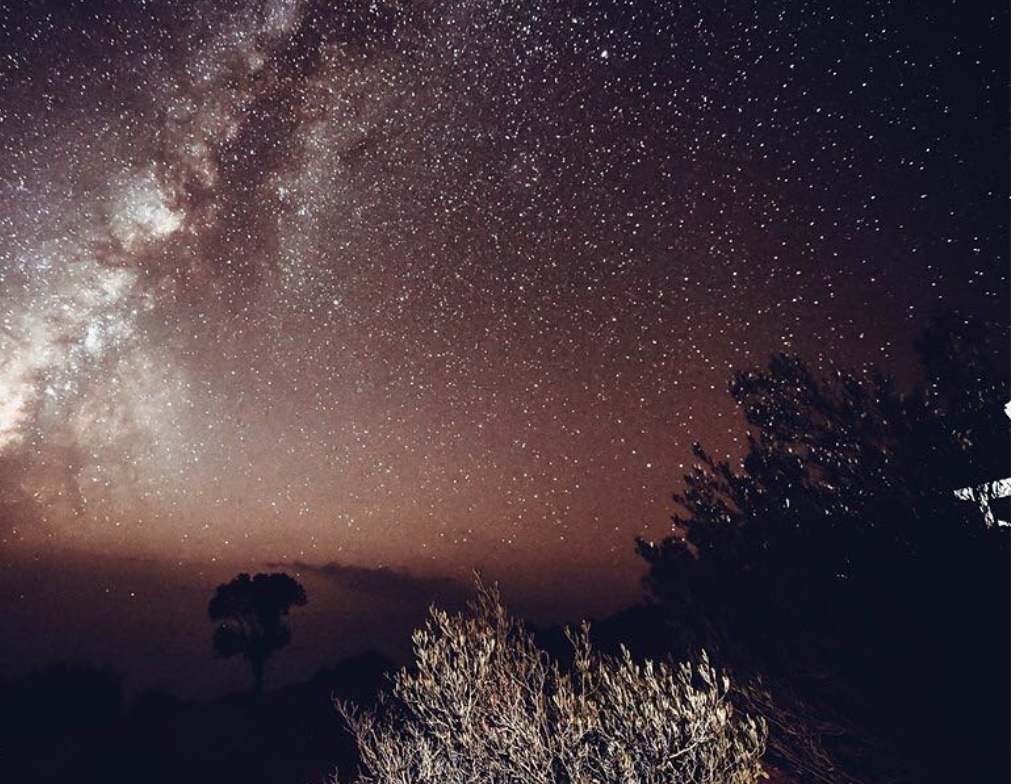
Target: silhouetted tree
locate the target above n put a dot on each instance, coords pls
(838, 546)
(251, 613)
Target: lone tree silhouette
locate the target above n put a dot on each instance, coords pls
(251, 613)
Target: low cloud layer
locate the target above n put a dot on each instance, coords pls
(384, 582)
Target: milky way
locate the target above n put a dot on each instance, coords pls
(456, 283)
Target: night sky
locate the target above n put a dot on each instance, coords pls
(431, 286)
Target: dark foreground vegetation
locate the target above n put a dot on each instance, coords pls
(849, 582)
(856, 566)
(71, 724)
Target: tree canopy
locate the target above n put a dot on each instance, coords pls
(251, 613)
(839, 544)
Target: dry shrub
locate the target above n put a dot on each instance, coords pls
(485, 705)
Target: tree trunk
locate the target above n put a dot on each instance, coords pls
(258, 664)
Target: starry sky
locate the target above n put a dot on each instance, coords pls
(406, 288)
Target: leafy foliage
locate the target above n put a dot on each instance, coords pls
(486, 705)
(251, 612)
(838, 553)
